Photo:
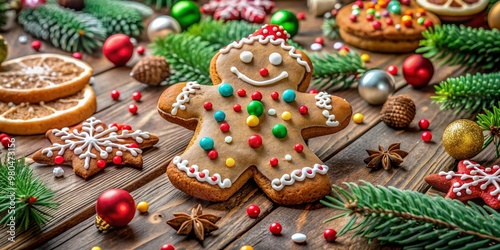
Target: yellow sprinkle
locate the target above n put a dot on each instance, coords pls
(252, 120)
(142, 206)
(365, 57)
(343, 52)
(405, 18)
(96, 248)
(286, 116)
(230, 162)
(246, 247)
(358, 118)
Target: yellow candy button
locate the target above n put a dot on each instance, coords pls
(286, 115)
(252, 120)
(142, 206)
(230, 162)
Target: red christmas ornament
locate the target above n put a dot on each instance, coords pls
(115, 94)
(393, 70)
(330, 235)
(32, 3)
(77, 55)
(253, 211)
(137, 96)
(423, 124)
(115, 208)
(36, 45)
(426, 136)
(118, 49)
(418, 70)
(140, 50)
(275, 228)
(255, 141)
(167, 247)
(132, 108)
(5, 141)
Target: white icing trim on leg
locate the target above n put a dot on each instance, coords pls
(194, 172)
(298, 175)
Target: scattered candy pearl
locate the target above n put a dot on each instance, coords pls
(377, 25)
(167, 247)
(115, 94)
(389, 21)
(77, 55)
(132, 108)
(327, 15)
(338, 45)
(428, 23)
(101, 163)
(252, 121)
(359, 4)
(264, 72)
(58, 172)
(117, 159)
(255, 108)
(426, 136)
(255, 141)
(385, 13)
(319, 40)
(257, 96)
(5, 141)
(330, 235)
(392, 69)
(420, 20)
(355, 12)
(369, 17)
(92, 80)
(313, 91)
(358, 118)
(58, 159)
(405, 2)
(140, 50)
(275, 95)
(126, 127)
(299, 238)
(253, 211)
(22, 39)
(224, 127)
(230, 162)
(275, 228)
(343, 52)
(353, 18)
(207, 106)
(408, 13)
(423, 124)
(301, 16)
(207, 143)
(237, 108)
(365, 57)
(246, 247)
(219, 115)
(406, 21)
(213, 154)
(397, 26)
(279, 131)
(226, 90)
(142, 207)
(288, 157)
(36, 45)
(228, 139)
(241, 92)
(289, 95)
(298, 148)
(286, 116)
(137, 96)
(303, 110)
(316, 46)
(273, 162)
(271, 112)
(95, 248)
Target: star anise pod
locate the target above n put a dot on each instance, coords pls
(392, 157)
(197, 223)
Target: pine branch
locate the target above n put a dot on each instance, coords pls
(470, 92)
(470, 47)
(143, 9)
(414, 220)
(4, 7)
(220, 33)
(161, 3)
(18, 185)
(330, 29)
(490, 121)
(63, 28)
(116, 16)
(336, 70)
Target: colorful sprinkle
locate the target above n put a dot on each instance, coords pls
(264, 72)
(397, 26)
(273, 162)
(241, 92)
(394, 7)
(376, 26)
(271, 112)
(337, 46)
(420, 20)
(224, 127)
(288, 157)
(428, 23)
(279, 131)
(355, 12)
(212, 154)
(219, 116)
(255, 108)
(58, 159)
(370, 17)
(358, 118)
(377, 15)
(101, 163)
(257, 96)
(286, 116)
(408, 13)
(207, 143)
(252, 121)
(226, 90)
(353, 18)
(255, 141)
(289, 95)
(228, 139)
(303, 110)
(298, 148)
(117, 159)
(406, 21)
(370, 11)
(230, 162)
(389, 21)
(366, 57)
(207, 106)
(237, 108)
(275, 95)
(385, 13)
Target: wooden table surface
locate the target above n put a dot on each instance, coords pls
(72, 226)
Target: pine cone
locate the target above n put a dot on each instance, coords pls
(151, 70)
(398, 111)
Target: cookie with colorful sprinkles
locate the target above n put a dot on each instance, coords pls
(384, 25)
(253, 123)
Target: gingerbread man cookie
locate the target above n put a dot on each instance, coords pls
(253, 122)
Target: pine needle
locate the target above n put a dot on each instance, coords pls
(335, 70)
(330, 29)
(490, 121)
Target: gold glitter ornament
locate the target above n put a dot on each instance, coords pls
(463, 139)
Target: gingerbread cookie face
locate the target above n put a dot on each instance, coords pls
(253, 126)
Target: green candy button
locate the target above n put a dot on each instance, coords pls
(255, 108)
(279, 131)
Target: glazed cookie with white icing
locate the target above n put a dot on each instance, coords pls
(253, 123)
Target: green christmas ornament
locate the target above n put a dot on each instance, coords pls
(3, 49)
(186, 13)
(288, 20)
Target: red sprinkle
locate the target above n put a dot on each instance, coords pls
(264, 72)
(423, 124)
(426, 136)
(132, 108)
(275, 228)
(298, 148)
(255, 141)
(377, 25)
(389, 21)
(257, 96)
(214, 178)
(253, 211)
(36, 45)
(77, 55)
(133, 145)
(115, 94)
(5, 141)
(224, 127)
(201, 174)
(319, 40)
(273, 162)
(208, 106)
(330, 235)
(369, 17)
(353, 18)
(309, 171)
(393, 70)
(212, 154)
(126, 127)
(428, 23)
(303, 110)
(140, 50)
(101, 163)
(237, 108)
(313, 91)
(117, 159)
(242, 92)
(58, 159)
(137, 96)
(320, 167)
(359, 4)
(191, 170)
(275, 95)
(301, 16)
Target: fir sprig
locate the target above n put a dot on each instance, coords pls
(414, 220)
(4, 7)
(460, 45)
(330, 29)
(335, 70)
(471, 93)
(116, 16)
(490, 121)
(32, 200)
(222, 33)
(161, 3)
(63, 28)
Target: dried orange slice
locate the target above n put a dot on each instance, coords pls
(28, 118)
(42, 77)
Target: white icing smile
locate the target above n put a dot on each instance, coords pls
(246, 79)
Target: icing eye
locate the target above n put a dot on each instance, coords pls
(246, 56)
(275, 58)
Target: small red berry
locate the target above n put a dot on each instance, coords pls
(303, 110)
(32, 200)
(5, 141)
(298, 148)
(137, 96)
(77, 55)
(115, 94)
(132, 108)
(264, 72)
(273, 162)
(58, 159)
(207, 106)
(167, 247)
(330, 235)
(275, 228)
(393, 70)
(102, 163)
(423, 124)
(319, 40)
(36, 45)
(426, 136)
(117, 159)
(253, 211)
(212, 154)
(242, 92)
(257, 96)
(140, 50)
(301, 16)
(275, 95)
(237, 108)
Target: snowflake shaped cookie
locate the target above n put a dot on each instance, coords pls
(470, 181)
(250, 10)
(91, 146)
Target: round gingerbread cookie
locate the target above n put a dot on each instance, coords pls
(454, 10)
(384, 26)
(253, 123)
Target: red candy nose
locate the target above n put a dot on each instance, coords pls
(264, 72)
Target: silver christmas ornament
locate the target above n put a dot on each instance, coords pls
(375, 86)
(58, 172)
(161, 26)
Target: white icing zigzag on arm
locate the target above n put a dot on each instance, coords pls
(183, 97)
(323, 101)
(201, 176)
(298, 175)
